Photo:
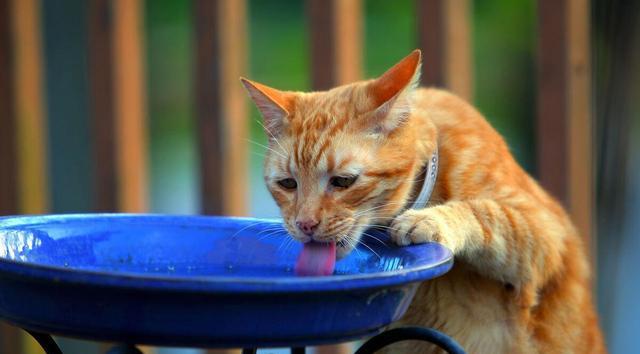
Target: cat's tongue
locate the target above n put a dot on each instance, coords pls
(316, 259)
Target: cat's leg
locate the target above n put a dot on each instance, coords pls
(518, 243)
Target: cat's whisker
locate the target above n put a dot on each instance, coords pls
(283, 245)
(268, 148)
(350, 240)
(370, 249)
(284, 242)
(375, 226)
(355, 247)
(382, 221)
(382, 217)
(255, 223)
(271, 232)
(272, 136)
(377, 207)
(274, 233)
(289, 245)
(386, 228)
(375, 238)
(271, 228)
(360, 213)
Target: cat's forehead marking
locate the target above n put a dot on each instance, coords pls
(318, 133)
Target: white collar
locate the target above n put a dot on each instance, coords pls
(429, 182)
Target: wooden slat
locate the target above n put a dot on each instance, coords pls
(335, 28)
(33, 191)
(208, 106)
(431, 40)
(102, 107)
(130, 105)
(8, 144)
(348, 56)
(31, 135)
(459, 64)
(221, 105)
(581, 152)
(23, 176)
(564, 145)
(9, 339)
(445, 39)
(9, 336)
(118, 105)
(552, 97)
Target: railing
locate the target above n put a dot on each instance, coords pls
(116, 96)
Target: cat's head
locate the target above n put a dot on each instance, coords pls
(342, 160)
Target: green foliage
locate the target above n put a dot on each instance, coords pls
(504, 59)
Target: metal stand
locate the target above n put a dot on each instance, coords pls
(411, 333)
(371, 346)
(124, 349)
(51, 347)
(295, 350)
(46, 342)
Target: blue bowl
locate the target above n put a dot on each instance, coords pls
(198, 281)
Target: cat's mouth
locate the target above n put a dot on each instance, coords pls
(346, 239)
(343, 248)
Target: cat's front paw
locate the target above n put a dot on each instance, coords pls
(420, 226)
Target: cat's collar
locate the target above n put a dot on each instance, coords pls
(428, 183)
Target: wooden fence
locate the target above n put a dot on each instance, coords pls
(117, 97)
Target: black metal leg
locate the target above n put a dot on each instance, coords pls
(46, 342)
(124, 349)
(249, 351)
(410, 333)
(298, 350)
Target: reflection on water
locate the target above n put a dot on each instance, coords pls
(16, 244)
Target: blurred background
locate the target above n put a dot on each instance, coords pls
(118, 105)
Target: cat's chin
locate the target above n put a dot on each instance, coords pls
(343, 249)
(342, 252)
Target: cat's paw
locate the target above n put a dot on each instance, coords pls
(419, 226)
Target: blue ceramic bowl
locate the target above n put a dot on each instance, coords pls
(198, 281)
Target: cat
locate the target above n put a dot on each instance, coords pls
(343, 160)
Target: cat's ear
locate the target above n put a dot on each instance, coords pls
(392, 92)
(274, 105)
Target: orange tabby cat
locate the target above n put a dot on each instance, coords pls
(351, 157)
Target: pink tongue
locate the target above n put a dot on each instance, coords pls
(316, 259)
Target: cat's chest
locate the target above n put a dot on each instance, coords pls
(477, 312)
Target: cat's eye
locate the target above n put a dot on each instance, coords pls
(288, 183)
(342, 182)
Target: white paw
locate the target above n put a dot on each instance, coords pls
(419, 226)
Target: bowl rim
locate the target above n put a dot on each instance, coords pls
(210, 284)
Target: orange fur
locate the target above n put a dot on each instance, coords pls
(520, 283)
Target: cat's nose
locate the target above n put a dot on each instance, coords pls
(307, 226)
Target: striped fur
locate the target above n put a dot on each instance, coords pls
(520, 283)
